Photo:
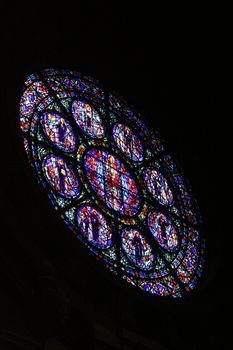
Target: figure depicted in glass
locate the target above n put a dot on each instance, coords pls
(113, 182)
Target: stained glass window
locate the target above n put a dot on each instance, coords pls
(109, 178)
(87, 119)
(128, 142)
(59, 131)
(94, 226)
(113, 182)
(62, 178)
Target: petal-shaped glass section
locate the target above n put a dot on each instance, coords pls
(88, 119)
(137, 248)
(158, 186)
(59, 131)
(112, 182)
(189, 264)
(31, 96)
(94, 226)
(163, 230)
(60, 176)
(128, 142)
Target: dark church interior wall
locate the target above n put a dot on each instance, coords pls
(165, 62)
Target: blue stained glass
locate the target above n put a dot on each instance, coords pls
(59, 131)
(94, 226)
(60, 176)
(162, 286)
(163, 230)
(88, 119)
(128, 142)
(158, 186)
(100, 164)
(137, 249)
(31, 97)
(189, 264)
(112, 182)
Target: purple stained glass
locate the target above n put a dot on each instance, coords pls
(31, 96)
(131, 207)
(59, 131)
(114, 102)
(128, 142)
(163, 230)
(162, 286)
(189, 264)
(158, 186)
(27, 102)
(112, 182)
(94, 226)
(137, 248)
(88, 119)
(60, 176)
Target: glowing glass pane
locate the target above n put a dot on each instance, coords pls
(94, 226)
(112, 182)
(76, 137)
(31, 96)
(158, 186)
(59, 131)
(137, 249)
(87, 119)
(162, 286)
(189, 264)
(27, 102)
(128, 142)
(163, 230)
(60, 176)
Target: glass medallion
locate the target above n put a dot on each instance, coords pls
(137, 249)
(88, 119)
(128, 142)
(59, 131)
(112, 182)
(60, 176)
(163, 230)
(94, 226)
(157, 185)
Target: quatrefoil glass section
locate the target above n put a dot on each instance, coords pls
(113, 182)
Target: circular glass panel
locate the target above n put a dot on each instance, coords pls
(60, 176)
(94, 226)
(109, 176)
(163, 230)
(112, 182)
(158, 186)
(59, 131)
(128, 142)
(88, 119)
(137, 249)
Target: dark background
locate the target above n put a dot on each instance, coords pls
(173, 66)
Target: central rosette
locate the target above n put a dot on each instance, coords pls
(112, 182)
